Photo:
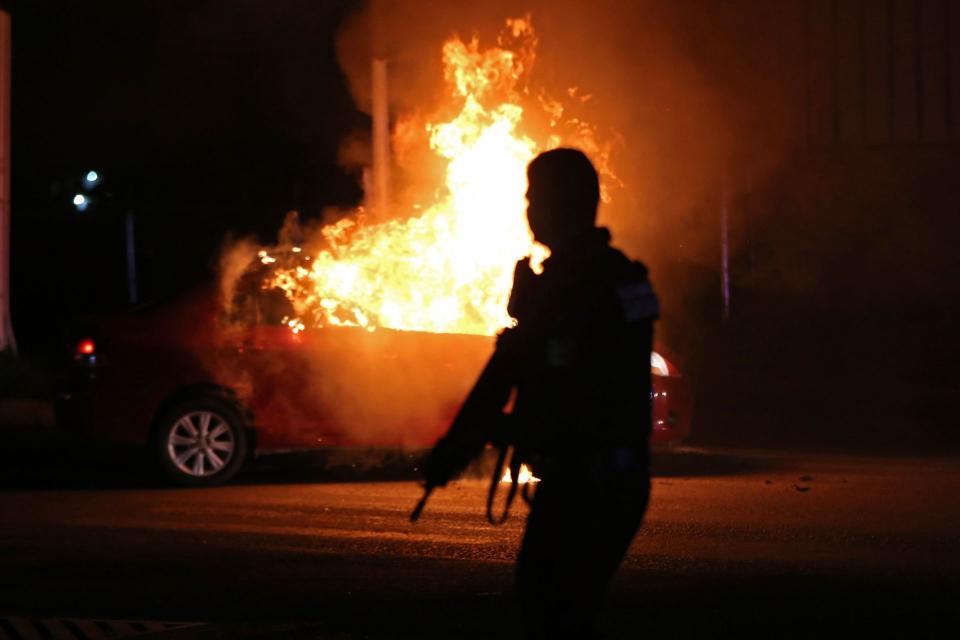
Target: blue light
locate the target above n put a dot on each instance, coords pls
(81, 202)
(91, 178)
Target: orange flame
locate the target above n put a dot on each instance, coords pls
(450, 268)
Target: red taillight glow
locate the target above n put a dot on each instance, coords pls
(86, 347)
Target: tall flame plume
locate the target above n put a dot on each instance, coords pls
(449, 268)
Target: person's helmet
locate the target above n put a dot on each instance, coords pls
(563, 195)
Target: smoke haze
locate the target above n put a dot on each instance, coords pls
(795, 117)
(640, 74)
(653, 79)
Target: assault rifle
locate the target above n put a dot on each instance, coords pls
(481, 420)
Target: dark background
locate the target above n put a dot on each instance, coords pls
(829, 128)
(203, 118)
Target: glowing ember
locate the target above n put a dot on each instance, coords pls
(523, 477)
(450, 268)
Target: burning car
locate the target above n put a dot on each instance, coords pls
(206, 393)
(369, 331)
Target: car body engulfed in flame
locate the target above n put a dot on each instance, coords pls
(368, 334)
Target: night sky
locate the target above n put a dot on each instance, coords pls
(202, 117)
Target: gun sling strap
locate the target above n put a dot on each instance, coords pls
(515, 461)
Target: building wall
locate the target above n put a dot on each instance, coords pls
(880, 71)
(845, 265)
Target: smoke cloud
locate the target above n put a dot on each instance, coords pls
(689, 97)
(663, 89)
(801, 118)
(658, 76)
(339, 386)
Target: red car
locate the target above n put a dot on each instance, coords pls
(206, 391)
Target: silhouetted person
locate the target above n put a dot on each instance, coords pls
(579, 360)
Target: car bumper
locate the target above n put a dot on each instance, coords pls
(672, 410)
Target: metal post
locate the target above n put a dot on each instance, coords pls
(948, 72)
(7, 341)
(381, 140)
(725, 246)
(131, 260)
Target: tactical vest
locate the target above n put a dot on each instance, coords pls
(581, 351)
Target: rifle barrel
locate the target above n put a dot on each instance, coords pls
(417, 510)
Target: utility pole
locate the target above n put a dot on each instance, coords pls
(7, 341)
(381, 140)
(725, 246)
(132, 297)
(380, 115)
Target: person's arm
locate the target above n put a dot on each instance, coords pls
(479, 421)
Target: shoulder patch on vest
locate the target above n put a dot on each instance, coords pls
(638, 302)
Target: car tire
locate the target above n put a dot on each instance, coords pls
(201, 442)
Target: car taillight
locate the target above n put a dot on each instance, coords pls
(85, 347)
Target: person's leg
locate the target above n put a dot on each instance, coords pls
(577, 534)
(619, 511)
(538, 563)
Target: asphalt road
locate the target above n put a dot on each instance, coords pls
(735, 543)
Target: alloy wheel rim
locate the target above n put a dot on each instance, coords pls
(200, 444)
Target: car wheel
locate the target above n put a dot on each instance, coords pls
(201, 442)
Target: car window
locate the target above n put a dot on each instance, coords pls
(254, 305)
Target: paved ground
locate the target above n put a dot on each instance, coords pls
(735, 543)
